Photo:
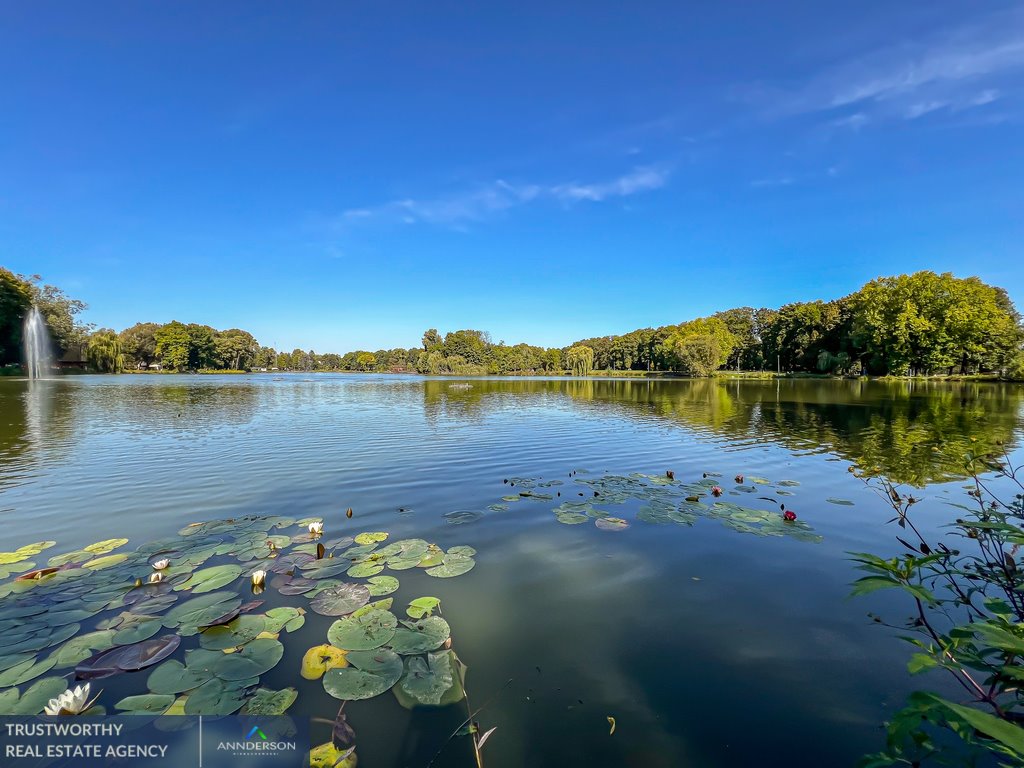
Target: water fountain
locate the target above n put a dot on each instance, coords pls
(38, 349)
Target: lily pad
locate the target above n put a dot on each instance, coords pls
(320, 658)
(382, 585)
(423, 606)
(236, 632)
(209, 579)
(254, 659)
(364, 569)
(452, 565)
(426, 634)
(267, 702)
(128, 658)
(840, 502)
(217, 696)
(329, 756)
(363, 632)
(611, 524)
(435, 681)
(102, 547)
(146, 704)
(370, 674)
(462, 516)
(32, 701)
(173, 677)
(371, 537)
(285, 617)
(341, 600)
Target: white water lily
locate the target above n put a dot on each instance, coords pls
(159, 565)
(258, 577)
(316, 528)
(71, 702)
(156, 578)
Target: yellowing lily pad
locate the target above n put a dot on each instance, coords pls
(321, 658)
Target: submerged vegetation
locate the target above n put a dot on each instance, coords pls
(967, 596)
(919, 324)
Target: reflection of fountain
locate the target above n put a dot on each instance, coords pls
(38, 351)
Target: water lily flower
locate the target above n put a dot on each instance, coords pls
(316, 528)
(160, 565)
(789, 515)
(716, 491)
(156, 578)
(739, 479)
(71, 702)
(258, 577)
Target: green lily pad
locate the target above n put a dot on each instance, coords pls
(236, 632)
(267, 702)
(341, 600)
(27, 670)
(105, 562)
(364, 569)
(138, 629)
(80, 648)
(371, 537)
(423, 606)
(146, 704)
(462, 516)
(173, 677)
(200, 611)
(382, 585)
(370, 674)
(840, 502)
(285, 617)
(209, 579)
(32, 701)
(426, 634)
(254, 659)
(611, 524)
(363, 632)
(462, 550)
(435, 681)
(217, 696)
(102, 547)
(329, 756)
(451, 566)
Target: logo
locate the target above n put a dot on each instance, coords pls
(256, 742)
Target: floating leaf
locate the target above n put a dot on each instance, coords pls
(27, 670)
(173, 677)
(363, 632)
(285, 617)
(382, 585)
(420, 636)
(321, 658)
(216, 696)
(105, 562)
(432, 682)
(371, 537)
(452, 565)
(329, 756)
(341, 600)
(364, 569)
(236, 632)
(32, 701)
(80, 648)
(102, 547)
(371, 673)
(209, 579)
(267, 702)
(423, 606)
(840, 502)
(128, 658)
(147, 704)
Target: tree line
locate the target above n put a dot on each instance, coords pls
(919, 324)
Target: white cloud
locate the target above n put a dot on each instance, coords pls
(500, 195)
(955, 69)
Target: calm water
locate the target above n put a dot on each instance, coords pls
(710, 647)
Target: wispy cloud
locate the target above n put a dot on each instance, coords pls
(498, 196)
(952, 69)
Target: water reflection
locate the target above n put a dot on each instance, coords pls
(890, 427)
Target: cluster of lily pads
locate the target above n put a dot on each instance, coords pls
(660, 499)
(102, 611)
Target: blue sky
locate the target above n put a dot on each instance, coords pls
(338, 175)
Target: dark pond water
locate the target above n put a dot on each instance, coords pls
(709, 644)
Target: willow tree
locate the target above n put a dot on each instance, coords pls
(580, 359)
(104, 351)
(700, 347)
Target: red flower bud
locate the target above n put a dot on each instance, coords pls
(789, 516)
(716, 491)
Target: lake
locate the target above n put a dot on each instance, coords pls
(708, 643)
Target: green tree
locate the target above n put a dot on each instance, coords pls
(366, 361)
(699, 347)
(61, 314)
(103, 351)
(432, 340)
(173, 346)
(470, 345)
(235, 349)
(15, 302)
(580, 359)
(138, 345)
